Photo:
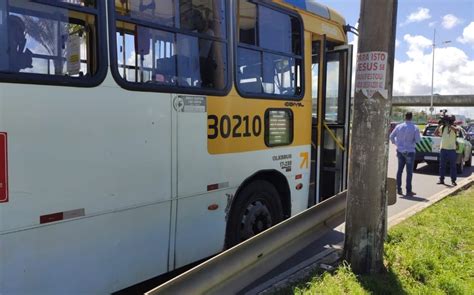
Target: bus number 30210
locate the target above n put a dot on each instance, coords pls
(238, 126)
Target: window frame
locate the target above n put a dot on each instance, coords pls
(134, 86)
(320, 55)
(100, 41)
(267, 127)
(342, 60)
(262, 50)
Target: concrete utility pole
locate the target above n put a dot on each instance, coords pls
(366, 217)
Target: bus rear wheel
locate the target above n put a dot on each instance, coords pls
(256, 208)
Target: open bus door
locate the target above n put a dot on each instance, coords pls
(331, 68)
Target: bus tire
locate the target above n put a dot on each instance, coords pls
(256, 208)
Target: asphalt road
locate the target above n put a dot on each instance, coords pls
(423, 183)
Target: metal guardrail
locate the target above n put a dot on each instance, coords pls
(230, 271)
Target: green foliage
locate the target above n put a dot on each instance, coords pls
(398, 115)
(343, 281)
(430, 253)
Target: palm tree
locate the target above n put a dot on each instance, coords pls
(50, 35)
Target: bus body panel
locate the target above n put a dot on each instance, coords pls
(102, 153)
(206, 179)
(90, 255)
(228, 171)
(200, 232)
(95, 149)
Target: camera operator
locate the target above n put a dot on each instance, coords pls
(448, 132)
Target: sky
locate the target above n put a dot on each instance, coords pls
(416, 22)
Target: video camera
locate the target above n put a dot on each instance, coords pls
(446, 120)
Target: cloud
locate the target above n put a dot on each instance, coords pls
(418, 16)
(397, 43)
(450, 21)
(467, 35)
(453, 70)
(417, 45)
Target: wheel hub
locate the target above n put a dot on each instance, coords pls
(256, 219)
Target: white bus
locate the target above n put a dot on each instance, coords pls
(138, 136)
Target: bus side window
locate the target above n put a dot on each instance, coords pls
(193, 57)
(48, 42)
(270, 64)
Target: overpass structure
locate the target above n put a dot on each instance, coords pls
(438, 101)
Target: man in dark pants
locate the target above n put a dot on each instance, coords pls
(448, 132)
(405, 136)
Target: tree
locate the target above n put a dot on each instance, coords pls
(51, 35)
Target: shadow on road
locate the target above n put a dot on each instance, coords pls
(428, 169)
(414, 198)
(434, 170)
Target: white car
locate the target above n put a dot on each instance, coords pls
(427, 150)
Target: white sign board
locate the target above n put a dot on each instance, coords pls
(73, 54)
(371, 72)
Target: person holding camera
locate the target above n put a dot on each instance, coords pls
(405, 136)
(448, 132)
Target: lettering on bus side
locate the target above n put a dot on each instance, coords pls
(234, 126)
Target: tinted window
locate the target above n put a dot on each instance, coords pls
(48, 40)
(249, 70)
(429, 130)
(316, 47)
(159, 12)
(88, 3)
(187, 49)
(269, 60)
(272, 36)
(332, 90)
(336, 81)
(247, 23)
(206, 17)
(279, 74)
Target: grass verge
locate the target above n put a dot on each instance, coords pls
(430, 253)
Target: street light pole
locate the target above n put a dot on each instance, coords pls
(432, 74)
(432, 71)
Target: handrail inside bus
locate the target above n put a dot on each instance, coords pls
(331, 133)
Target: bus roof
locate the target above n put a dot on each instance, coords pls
(318, 9)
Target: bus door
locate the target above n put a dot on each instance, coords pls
(331, 115)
